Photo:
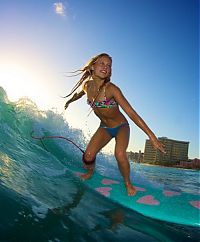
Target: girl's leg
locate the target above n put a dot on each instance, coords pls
(122, 140)
(97, 142)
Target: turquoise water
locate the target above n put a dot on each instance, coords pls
(41, 201)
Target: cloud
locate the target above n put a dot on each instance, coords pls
(59, 8)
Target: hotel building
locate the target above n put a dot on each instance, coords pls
(176, 151)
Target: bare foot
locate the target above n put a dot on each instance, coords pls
(130, 189)
(88, 174)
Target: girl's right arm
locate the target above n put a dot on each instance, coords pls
(75, 97)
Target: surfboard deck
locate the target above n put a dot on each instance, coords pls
(166, 205)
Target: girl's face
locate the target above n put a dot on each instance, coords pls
(102, 68)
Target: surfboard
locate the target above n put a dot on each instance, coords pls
(165, 205)
(161, 204)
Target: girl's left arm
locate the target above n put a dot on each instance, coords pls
(128, 109)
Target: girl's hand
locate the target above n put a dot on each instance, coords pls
(66, 105)
(158, 145)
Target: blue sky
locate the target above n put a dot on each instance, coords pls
(153, 43)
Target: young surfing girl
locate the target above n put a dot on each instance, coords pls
(104, 98)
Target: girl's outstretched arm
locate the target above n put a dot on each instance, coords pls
(75, 97)
(122, 101)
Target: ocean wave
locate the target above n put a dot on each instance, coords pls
(39, 193)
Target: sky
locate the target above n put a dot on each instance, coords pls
(153, 43)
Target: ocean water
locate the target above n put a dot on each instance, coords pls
(40, 200)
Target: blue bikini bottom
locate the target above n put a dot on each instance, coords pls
(113, 131)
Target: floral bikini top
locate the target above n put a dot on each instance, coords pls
(106, 103)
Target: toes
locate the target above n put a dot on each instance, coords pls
(130, 190)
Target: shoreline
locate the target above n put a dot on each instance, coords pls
(177, 167)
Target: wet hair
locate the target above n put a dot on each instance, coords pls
(86, 72)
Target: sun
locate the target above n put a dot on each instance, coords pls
(14, 79)
(20, 79)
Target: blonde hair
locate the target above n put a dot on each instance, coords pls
(86, 72)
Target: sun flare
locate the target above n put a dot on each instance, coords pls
(14, 79)
(21, 80)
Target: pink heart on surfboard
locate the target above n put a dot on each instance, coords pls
(141, 189)
(149, 200)
(171, 193)
(195, 204)
(106, 181)
(78, 173)
(104, 190)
